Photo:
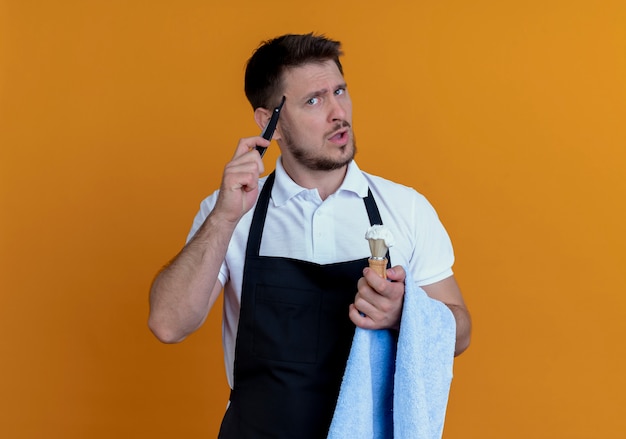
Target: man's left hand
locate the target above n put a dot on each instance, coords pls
(378, 302)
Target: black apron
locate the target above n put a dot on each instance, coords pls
(293, 339)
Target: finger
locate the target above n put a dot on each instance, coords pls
(364, 304)
(385, 287)
(244, 169)
(248, 144)
(365, 295)
(359, 319)
(374, 282)
(241, 176)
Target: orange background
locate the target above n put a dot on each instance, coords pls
(116, 118)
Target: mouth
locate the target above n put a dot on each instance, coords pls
(340, 137)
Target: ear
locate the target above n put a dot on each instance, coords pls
(262, 116)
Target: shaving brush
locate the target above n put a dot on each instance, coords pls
(380, 239)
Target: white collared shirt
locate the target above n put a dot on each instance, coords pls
(300, 225)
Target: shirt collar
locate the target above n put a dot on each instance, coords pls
(285, 188)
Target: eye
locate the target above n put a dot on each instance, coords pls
(340, 91)
(312, 101)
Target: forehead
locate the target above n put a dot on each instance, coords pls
(311, 76)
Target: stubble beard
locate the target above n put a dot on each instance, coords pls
(315, 162)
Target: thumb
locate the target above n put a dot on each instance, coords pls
(396, 274)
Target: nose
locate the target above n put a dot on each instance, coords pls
(338, 108)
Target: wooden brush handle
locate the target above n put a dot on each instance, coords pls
(379, 266)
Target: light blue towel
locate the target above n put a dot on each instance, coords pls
(399, 391)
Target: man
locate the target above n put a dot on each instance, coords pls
(290, 254)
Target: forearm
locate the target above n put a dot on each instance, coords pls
(185, 290)
(463, 328)
(183, 293)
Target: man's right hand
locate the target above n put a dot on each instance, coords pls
(239, 188)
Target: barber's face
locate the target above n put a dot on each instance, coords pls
(315, 126)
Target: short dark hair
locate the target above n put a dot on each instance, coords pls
(265, 67)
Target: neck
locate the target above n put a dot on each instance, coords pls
(326, 182)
